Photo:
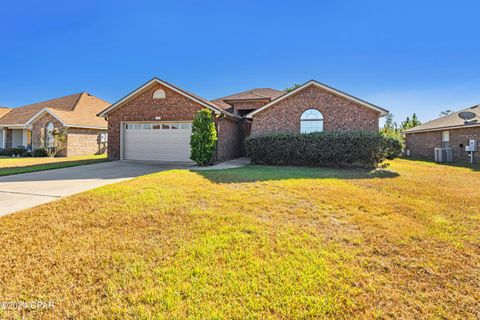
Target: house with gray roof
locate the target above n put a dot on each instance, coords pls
(452, 131)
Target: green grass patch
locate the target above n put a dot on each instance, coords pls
(10, 166)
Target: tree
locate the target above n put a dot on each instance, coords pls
(204, 138)
(295, 86)
(445, 113)
(390, 126)
(58, 143)
(410, 123)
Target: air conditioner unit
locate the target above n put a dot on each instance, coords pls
(443, 155)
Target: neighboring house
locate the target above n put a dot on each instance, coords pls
(446, 132)
(154, 121)
(30, 125)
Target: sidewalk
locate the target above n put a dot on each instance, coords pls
(231, 164)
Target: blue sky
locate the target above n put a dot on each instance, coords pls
(407, 56)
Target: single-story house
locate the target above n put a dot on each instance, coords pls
(29, 126)
(153, 122)
(450, 131)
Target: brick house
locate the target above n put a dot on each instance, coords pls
(446, 132)
(31, 126)
(153, 122)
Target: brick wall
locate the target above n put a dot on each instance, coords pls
(174, 107)
(230, 139)
(422, 144)
(85, 142)
(38, 132)
(79, 141)
(339, 113)
(249, 104)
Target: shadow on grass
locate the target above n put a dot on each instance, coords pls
(466, 165)
(252, 173)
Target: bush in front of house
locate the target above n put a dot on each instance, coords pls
(351, 148)
(393, 145)
(204, 138)
(17, 151)
(40, 153)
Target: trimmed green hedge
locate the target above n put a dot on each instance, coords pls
(355, 148)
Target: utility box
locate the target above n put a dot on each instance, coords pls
(472, 146)
(443, 155)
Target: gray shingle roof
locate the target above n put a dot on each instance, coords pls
(252, 94)
(450, 121)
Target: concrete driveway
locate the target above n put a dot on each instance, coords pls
(22, 191)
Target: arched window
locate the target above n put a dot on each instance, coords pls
(311, 121)
(159, 94)
(49, 139)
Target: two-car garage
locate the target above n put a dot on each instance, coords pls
(156, 141)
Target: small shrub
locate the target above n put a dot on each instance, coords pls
(204, 138)
(26, 154)
(40, 152)
(17, 151)
(360, 148)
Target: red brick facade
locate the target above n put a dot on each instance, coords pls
(174, 107)
(249, 104)
(230, 139)
(83, 141)
(80, 141)
(38, 132)
(422, 144)
(339, 113)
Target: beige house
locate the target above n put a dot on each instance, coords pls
(28, 126)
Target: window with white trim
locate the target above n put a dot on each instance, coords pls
(159, 94)
(445, 139)
(158, 126)
(49, 138)
(311, 121)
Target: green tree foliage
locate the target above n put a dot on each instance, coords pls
(295, 86)
(204, 138)
(410, 122)
(390, 126)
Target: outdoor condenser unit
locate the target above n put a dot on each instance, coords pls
(443, 155)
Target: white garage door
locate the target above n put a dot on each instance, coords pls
(157, 141)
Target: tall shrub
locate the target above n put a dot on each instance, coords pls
(360, 148)
(204, 138)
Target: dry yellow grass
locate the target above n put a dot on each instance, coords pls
(255, 242)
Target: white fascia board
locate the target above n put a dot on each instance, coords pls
(41, 113)
(382, 111)
(84, 126)
(14, 126)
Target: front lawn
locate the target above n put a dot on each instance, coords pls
(13, 165)
(253, 242)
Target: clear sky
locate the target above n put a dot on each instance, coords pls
(407, 56)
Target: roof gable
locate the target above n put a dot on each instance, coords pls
(382, 111)
(73, 110)
(203, 102)
(252, 94)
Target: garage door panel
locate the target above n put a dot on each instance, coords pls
(157, 144)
